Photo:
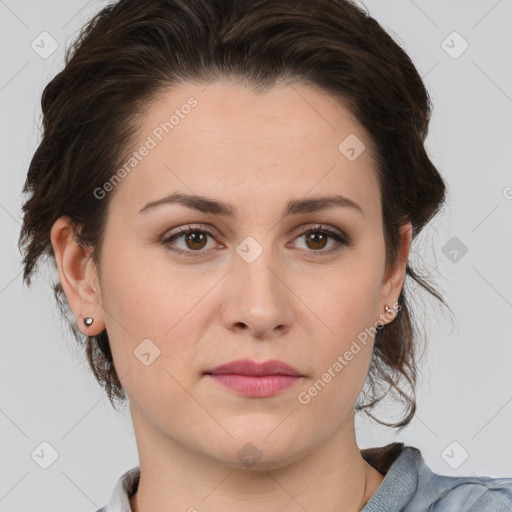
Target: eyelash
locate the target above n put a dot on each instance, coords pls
(341, 240)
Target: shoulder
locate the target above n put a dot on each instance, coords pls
(410, 486)
(444, 493)
(467, 493)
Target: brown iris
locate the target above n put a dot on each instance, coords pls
(317, 237)
(197, 238)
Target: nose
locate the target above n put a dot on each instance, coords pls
(258, 299)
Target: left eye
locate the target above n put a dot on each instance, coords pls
(196, 239)
(319, 236)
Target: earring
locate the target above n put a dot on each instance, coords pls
(88, 321)
(387, 309)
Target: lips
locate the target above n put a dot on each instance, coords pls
(255, 369)
(255, 380)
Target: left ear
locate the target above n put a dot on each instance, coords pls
(395, 276)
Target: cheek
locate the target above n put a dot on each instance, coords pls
(349, 297)
(147, 298)
(341, 357)
(347, 307)
(142, 292)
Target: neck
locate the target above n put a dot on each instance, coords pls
(332, 477)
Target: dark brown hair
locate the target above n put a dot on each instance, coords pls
(132, 51)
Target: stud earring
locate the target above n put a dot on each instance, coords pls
(387, 309)
(88, 321)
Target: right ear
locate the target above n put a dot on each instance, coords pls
(78, 276)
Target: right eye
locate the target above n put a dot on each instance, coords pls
(195, 239)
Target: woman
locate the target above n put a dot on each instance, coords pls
(230, 191)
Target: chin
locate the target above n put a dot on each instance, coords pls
(260, 450)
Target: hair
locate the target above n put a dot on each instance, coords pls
(132, 51)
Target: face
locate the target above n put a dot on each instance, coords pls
(260, 277)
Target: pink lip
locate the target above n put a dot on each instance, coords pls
(248, 367)
(254, 379)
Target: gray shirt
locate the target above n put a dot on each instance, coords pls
(409, 486)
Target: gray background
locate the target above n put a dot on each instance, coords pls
(465, 388)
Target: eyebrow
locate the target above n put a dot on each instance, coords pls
(294, 207)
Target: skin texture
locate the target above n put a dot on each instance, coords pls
(255, 152)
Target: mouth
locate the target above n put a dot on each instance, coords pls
(256, 369)
(255, 387)
(253, 379)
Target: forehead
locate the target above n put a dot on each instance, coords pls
(225, 113)
(223, 137)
